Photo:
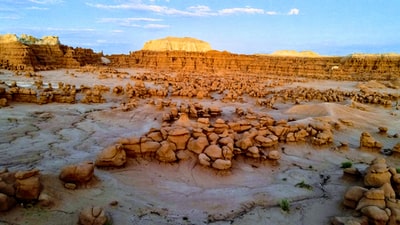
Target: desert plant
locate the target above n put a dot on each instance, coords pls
(346, 164)
(285, 205)
(302, 184)
(398, 169)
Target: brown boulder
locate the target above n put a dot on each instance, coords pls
(6, 202)
(214, 152)
(179, 136)
(92, 216)
(28, 189)
(222, 164)
(376, 215)
(80, 173)
(111, 156)
(197, 145)
(166, 153)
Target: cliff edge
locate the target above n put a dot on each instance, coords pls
(186, 44)
(29, 53)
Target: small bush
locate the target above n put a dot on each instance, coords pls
(303, 185)
(346, 164)
(398, 170)
(285, 205)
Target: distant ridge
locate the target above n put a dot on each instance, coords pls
(187, 44)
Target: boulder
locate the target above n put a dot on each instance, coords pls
(376, 215)
(166, 153)
(353, 196)
(222, 164)
(111, 156)
(197, 145)
(6, 202)
(214, 152)
(28, 189)
(149, 146)
(79, 173)
(179, 136)
(274, 155)
(204, 159)
(93, 216)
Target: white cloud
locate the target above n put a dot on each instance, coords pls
(46, 2)
(197, 11)
(36, 8)
(155, 26)
(246, 10)
(294, 11)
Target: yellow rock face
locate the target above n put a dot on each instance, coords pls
(29, 40)
(177, 44)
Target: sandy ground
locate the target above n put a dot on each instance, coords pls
(51, 136)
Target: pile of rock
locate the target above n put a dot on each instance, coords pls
(369, 143)
(214, 144)
(19, 187)
(376, 201)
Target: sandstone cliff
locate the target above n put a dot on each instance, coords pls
(353, 67)
(177, 44)
(29, 53)
(295, 53)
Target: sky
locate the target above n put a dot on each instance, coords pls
(328, 27)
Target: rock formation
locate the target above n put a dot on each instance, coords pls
(377, 205)
(333, 67)
(30, 53)
(186, 44)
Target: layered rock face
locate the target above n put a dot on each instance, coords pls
(354, 67)
(29, 53)
(177, 44)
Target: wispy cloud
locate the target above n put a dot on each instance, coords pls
(246, 10)
(37, 8)
(195, 11)
(46, 2)
(133, 22)
(294, 11)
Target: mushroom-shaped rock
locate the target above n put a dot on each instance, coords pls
(377, 175)
(197, 145)
(166, 153)
(373, 197)
(353, 196)
(213, 151)
(179, 136)
(92, 216)
(111, 156)
(375, 215)
(222, 164)
(80, 173)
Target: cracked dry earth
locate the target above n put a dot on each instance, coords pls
(51, 136)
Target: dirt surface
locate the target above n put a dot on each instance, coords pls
(53, 135)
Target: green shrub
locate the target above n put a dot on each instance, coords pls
(303, 185)
(346, 164)
(398, 170)
(285, 205)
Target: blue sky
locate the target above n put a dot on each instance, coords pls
(330, 27)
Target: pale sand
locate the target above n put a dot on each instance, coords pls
(51, 136)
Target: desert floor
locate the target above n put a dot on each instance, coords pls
(53, 135)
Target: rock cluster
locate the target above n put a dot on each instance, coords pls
(21, 187)
(214, 144)
(368, 142)
(377, 201)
